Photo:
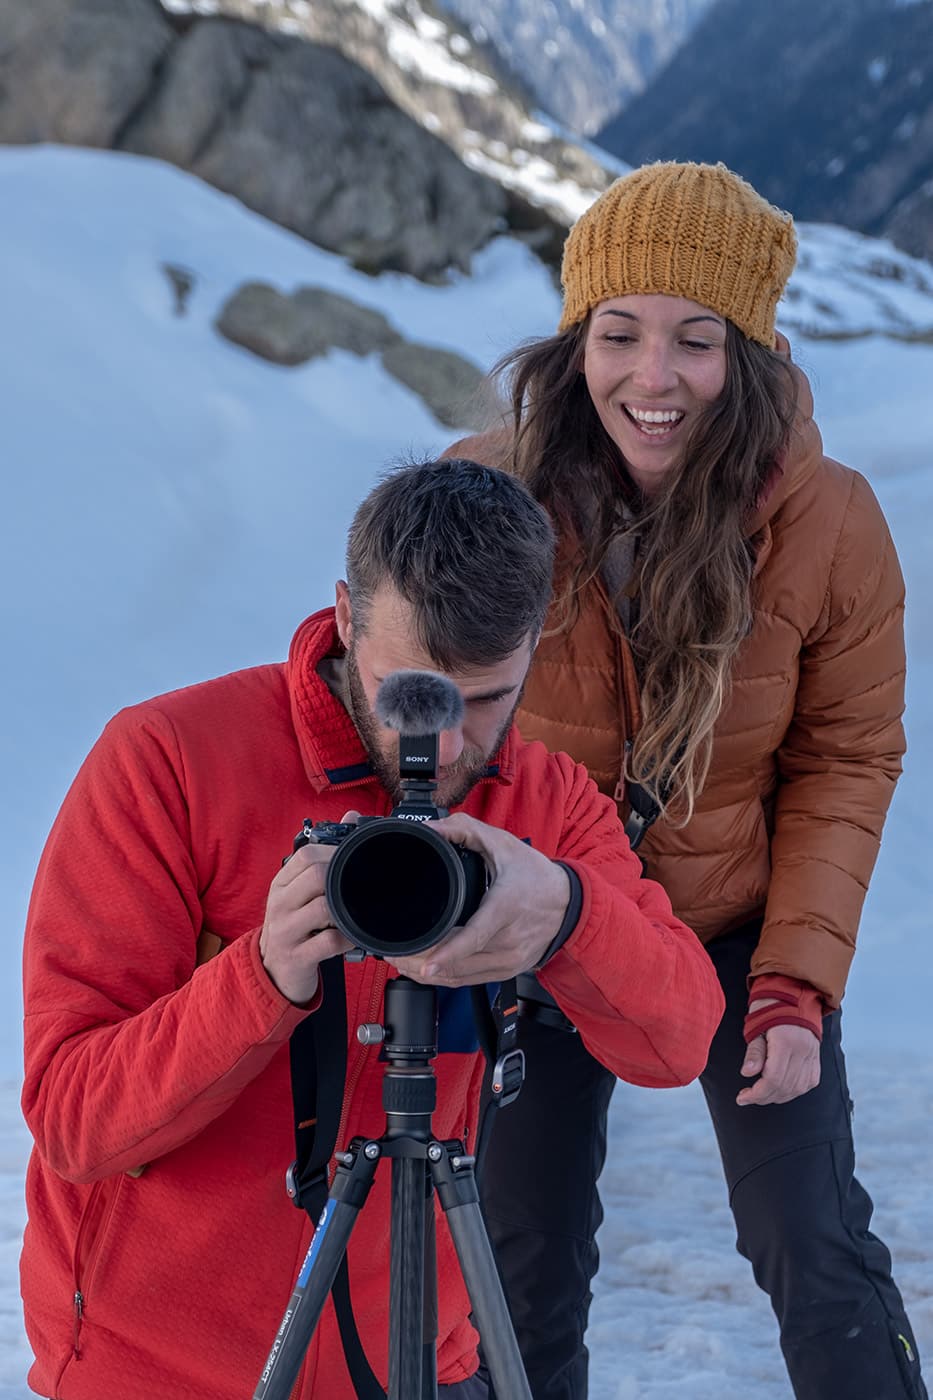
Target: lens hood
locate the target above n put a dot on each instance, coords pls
(395, 887)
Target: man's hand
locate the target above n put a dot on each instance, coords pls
(517, 920)
(788, 1060)
(298, 932)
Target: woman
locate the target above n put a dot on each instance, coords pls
(726, 655)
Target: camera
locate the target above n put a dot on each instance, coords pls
(393, 885)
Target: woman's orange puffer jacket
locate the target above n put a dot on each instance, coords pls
(808, 747)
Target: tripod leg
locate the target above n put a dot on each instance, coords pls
(456, 1187)
(351, 1186)
(429, 1350)
(406, 1301)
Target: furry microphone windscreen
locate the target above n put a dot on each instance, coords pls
(418, 702)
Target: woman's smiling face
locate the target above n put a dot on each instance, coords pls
(652, 364)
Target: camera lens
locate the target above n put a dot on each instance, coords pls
(394, 886)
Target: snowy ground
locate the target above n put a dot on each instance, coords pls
(159, 528)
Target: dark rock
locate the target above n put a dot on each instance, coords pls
(182, 281)
(294, 129)
(910, 224)
(75, 73)
(290, 330)
(348, 325)
(452, 388)
(434, 70)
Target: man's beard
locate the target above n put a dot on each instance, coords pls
(459, 778)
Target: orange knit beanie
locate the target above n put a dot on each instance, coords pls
(695, 231)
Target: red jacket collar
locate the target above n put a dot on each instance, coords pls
(331, 749)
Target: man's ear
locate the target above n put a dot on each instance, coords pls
(344, 614)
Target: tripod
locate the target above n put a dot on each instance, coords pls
(420, 1164)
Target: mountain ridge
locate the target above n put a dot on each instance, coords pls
(825, 106)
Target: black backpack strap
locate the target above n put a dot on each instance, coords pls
(318, 1055)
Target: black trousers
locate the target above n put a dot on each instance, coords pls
(802, 1219)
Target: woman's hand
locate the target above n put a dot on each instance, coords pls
(786, 1057)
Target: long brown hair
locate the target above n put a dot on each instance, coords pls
(695, 561)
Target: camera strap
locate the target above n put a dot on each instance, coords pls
(644, 811)
(497, 1032)
(644, 807)
(318, 1056)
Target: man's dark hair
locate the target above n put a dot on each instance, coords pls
(469, 549)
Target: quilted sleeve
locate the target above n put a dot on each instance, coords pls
(840, 758)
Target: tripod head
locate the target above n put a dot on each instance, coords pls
(409, 1030)
(408, 1037)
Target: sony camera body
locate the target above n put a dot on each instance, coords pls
(394, 886)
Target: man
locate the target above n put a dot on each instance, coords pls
(161, 1248)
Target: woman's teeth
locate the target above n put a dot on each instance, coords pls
(655, 422)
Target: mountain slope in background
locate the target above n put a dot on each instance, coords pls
(583, 62)
(433, 70)
(826, 106)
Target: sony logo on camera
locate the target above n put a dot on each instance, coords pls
(416, 758)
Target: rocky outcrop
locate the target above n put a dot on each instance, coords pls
(290, 330)
(910, 223)
(76, 73)
(294, 129)
(452, 388)
(432, 68)
(293, 329)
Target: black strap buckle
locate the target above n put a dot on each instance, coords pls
(298, 1190)
(636, 826)
(508, 1076)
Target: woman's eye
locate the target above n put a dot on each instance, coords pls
(698, 345)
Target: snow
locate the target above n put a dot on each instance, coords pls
(421, 54)
(533, 176)
(174, 506)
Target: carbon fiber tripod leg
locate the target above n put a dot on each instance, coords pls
(406, 1298)
(351, 1186)
(452, 1172)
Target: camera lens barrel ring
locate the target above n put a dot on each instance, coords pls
(395, 886)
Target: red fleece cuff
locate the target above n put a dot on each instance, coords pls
(795, 1003)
